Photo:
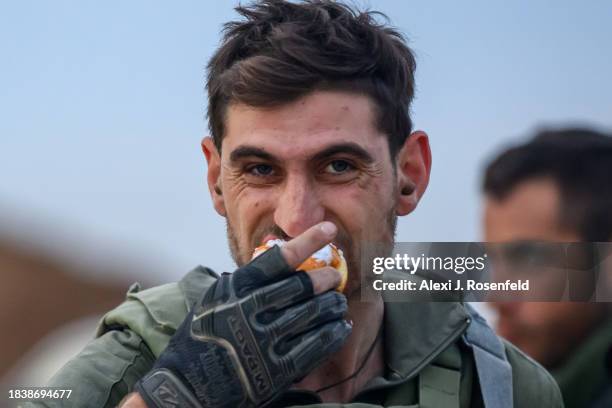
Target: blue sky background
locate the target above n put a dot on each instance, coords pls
(102, 107)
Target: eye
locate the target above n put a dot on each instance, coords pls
(339, 167)
(260, 170)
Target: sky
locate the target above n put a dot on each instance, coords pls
(103, 109)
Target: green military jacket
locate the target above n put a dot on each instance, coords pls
(584, 379)
(427, 364)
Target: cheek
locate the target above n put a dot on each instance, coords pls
(374, 201)
(246, 211)
(250, 207)
(361, 208)
(251, 203)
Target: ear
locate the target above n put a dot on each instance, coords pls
(214, 174)
(413, 166)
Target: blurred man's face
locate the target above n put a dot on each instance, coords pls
(547, 331)
(286, 168)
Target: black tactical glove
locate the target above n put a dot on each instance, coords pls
(252, 335)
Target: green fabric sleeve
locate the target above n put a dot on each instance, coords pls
(154, 314)
(129, 339)
(103, 373)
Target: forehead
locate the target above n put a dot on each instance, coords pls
(306, 125)
(531, 211)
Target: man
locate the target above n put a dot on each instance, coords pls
(557, 188)
(311, 143)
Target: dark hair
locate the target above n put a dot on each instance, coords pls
(579, 161)
(282, 51)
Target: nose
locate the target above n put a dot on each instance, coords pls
(298, 207)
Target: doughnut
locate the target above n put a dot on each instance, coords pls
(329, 255)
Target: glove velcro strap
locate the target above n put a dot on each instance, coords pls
(162, 389)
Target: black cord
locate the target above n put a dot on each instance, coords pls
(363, 363)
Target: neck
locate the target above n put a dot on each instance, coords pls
(367, 319)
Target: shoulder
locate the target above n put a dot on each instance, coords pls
(154, 314)
(532, 384)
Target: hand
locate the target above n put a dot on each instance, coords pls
(254, 332)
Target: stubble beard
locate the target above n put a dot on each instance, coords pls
(232, 240)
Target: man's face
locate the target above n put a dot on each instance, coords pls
(287, 168)
(547, 331)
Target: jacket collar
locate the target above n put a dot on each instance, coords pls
(415, 333)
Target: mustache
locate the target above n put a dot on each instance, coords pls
(260, 233)
(342, 239)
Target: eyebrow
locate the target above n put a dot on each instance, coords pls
(243, 152)
(350, 148)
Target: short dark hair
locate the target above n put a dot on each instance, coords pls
(579, 161)
(283, 50)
